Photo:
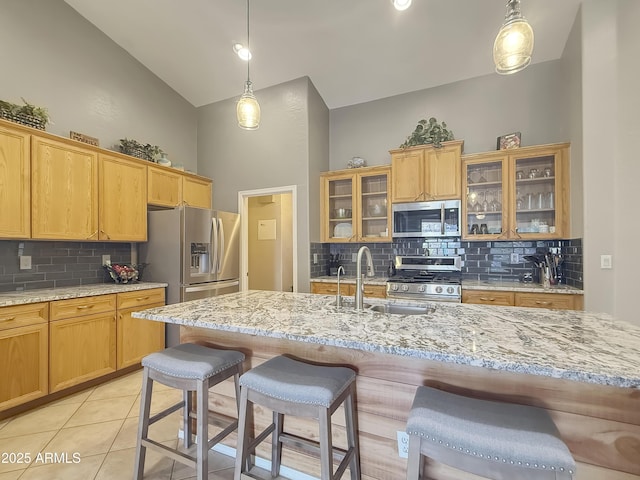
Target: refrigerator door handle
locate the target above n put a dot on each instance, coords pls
(215, 286)
(220, 244)
(213, 264)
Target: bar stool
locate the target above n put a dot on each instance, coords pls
(492, 439)
(191, 368)
(290, 387)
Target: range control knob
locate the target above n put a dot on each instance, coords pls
(394, 287)
(421, 288)
(450, 290)
(438, 289)
(405, 288)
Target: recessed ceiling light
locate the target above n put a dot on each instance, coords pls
(242, 51)
(401, 4)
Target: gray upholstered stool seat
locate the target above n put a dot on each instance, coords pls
(493, 439)
(190, 368)
(291, 387)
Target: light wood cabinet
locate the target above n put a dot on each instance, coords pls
(82, 333)
(355, 206)
(122, 199)
(24, 342)
(196, 192)
(138, 337)
(348, 289)
(164, 187)
(15, 171)
(561, 301)
(516, 194)
(426, 173)
(64, 191)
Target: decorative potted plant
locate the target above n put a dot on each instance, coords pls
(26, 114)
(135, 149)
(430, 132)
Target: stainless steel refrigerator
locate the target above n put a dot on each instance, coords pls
(195, 251)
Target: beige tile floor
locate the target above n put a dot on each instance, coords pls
(92, 435)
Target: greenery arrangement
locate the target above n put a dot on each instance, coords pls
(135, 149)
(26, 114)
(430, 132)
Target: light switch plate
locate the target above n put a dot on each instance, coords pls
(403, 444)
(106, 259)
(354, 257)
(25, 262)
(315, 258)
(515, 258)
(606, 262)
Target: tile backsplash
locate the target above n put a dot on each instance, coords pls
(480, 260)
(57, 264)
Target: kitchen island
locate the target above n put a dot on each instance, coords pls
(582, 367)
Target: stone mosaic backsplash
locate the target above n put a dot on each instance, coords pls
(57, 264)
(480, 260)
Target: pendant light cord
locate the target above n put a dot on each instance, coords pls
(248, 47)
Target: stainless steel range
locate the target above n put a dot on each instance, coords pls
(427, 278)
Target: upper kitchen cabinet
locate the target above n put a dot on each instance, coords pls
(169, 188)
(517, 194)
(15, 201)
(425, 173)
(354, 205)
(64, 190)
(122, 199)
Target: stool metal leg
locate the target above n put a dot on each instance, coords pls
(352, 435)
(276, 444)
(143, 424)
(326, 450)
(202, 421)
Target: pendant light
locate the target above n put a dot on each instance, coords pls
(514, 43)
(401, 4)
(248, 109)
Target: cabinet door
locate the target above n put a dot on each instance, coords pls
(137, 337)
(164, 187)
(122, 200)
(407, 175)
(337, 206)
(15, 200)
(373, 210)
(81, 348)
(64, 191)
(488, 297)
(23, 364)
(558, 301)
(196, 192)
(486, 199)
(442, 173)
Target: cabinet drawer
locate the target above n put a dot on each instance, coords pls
(82, 306)
(324, 288)
(558, 301)
(23, 315)
(373, 291)
(488, 297)
(140, 297)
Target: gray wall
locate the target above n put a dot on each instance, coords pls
(277, 154)
(54, 58)
(478, 110)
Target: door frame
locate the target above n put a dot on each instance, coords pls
(243, 208)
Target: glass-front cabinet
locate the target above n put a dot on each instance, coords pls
(355, 206)
(516, 194)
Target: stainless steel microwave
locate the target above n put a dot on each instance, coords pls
(427, 219)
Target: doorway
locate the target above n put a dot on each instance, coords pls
(268, 257)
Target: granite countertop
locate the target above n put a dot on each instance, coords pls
(51, 294)
(573, 345)
(467, 285)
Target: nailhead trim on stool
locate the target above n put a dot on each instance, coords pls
(493, 439)
(190, 368)
(287, 386)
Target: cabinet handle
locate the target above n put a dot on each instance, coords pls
(7, 319)
(84, 307)
(105, 234)
(92, 235)
(139, 299)
(487, 299)
(540, 302)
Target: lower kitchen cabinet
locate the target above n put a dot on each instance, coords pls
(488, 297)
(24, 343)
(82, 334)
(349, 289)
(559, 301)
(138, 337)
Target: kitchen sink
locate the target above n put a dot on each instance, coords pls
(348, 303)
(403, 309)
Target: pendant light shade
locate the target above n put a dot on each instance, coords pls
(514, 44)
(247, 108)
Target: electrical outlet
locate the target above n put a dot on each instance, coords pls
(403, 444)
(106, 259)
(25, 262)
(315, 258)
(354, 257)
(606, 262)
(515, 258)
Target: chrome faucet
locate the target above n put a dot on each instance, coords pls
(338, 295)
(360, 276)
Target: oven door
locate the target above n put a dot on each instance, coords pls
(427, 219)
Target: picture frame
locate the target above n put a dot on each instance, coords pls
(508, 141)
(81, 137)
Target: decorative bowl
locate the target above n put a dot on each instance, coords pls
(342, 213)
